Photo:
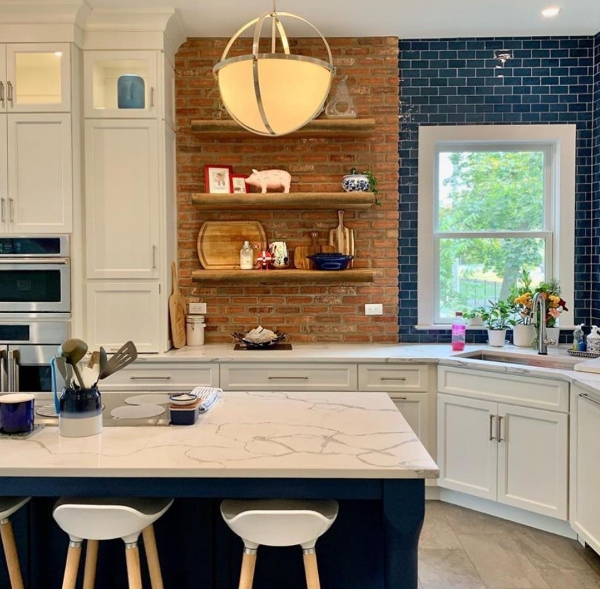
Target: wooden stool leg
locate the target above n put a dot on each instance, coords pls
(12, 558)
(152, 557)
(73, 556)
(247, 572)
(310, 569)
(91, 559)
(134, 574)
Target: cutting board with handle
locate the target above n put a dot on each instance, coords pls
(301, 252)
(177, 311)
(342, 238)
(219, 242)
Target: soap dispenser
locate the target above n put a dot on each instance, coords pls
(578, 339)
(593, 341)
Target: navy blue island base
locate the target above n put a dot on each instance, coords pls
(372, 545)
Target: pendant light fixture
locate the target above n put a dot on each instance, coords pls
(273, 93)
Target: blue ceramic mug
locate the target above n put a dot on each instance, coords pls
(16, 413)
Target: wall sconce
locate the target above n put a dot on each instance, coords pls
(273, 93)
(502, 55)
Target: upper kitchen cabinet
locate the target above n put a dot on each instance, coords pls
(121, 84)
(35, 77)
(36, 186)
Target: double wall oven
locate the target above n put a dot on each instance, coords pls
(35, 309)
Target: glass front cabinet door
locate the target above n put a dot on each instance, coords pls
(37, 77)
(120, 84)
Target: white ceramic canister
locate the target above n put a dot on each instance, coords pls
(195, 330)
(593, 341)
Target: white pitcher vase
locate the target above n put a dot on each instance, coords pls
(523, 335)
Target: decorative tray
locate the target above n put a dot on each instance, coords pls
(583, 354)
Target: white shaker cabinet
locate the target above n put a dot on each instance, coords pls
(122, 199)
(512, 454)
(585, 469)
(36, 180)
(415, 409)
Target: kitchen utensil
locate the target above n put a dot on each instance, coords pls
(124, 356)
(302, 251)
(176, 312)
(219, 242)
(342, 238)
(332, 261)
(73, 350)
(94, 359)
(279, 252)
(61, 365)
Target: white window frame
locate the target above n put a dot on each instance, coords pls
(559, 143)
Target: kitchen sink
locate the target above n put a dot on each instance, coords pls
(527, 360)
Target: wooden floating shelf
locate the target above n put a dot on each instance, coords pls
(350, 201)
(283, 277)
(317, 128)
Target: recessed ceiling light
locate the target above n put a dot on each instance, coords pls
(551, 11)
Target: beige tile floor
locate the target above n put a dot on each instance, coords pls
(465, 549)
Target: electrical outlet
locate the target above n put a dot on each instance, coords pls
(374, 309)
(197, 308)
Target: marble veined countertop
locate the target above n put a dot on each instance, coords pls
(245, 434)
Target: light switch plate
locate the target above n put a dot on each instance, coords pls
(374, 309)
(197, 308)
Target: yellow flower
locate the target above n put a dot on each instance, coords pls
(553, 301)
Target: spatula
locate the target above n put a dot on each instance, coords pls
(124, 356)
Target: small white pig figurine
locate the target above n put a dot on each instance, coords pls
(272, 179)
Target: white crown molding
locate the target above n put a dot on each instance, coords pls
(43, 11)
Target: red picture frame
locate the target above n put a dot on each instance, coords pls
(238, 184)
(217, 179)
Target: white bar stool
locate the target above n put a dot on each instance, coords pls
(8, 506)
(95, 519)
(279, 523)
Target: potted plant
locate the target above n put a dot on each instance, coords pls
(474, 316)
(555, 305)
(521, 298)
(497, 318)
(361, 182)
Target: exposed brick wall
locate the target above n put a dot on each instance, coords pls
(312, 312)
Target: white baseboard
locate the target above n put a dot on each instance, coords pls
(514, 514)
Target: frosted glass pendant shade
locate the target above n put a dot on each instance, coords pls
(273, 93)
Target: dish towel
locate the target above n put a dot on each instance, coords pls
(207, 396)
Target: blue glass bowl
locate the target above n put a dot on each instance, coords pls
(330, 261)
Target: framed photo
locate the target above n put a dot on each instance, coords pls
(238, 183)
(217, 179)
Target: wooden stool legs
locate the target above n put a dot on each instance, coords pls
(310, 569)
(152, 557)
(91, 559)
(134, 573)
(12, 558)
(73, 556)
(248, 565)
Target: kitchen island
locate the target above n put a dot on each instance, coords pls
(356, 448)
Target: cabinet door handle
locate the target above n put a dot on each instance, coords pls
(2, 93)
(500, 418)
(11, 209)
(588, 398)
(492, 427)
(153, 257)
(150, 378)
(399, 398)
(2, 209)
(9, 93)
(393, 378)
(287, 377)
(152, 96)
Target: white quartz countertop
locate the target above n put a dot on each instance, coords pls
(245, 434)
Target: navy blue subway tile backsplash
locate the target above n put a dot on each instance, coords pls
(553, 80)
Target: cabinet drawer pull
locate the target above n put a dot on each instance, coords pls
(153, 257)
(588, 398)
(9, 93)
(152, 96)
(11, 209)
(150, 378)
(399, 398)
(492, 428)
(2, 93)
(287, 377)
(393, 378)
(500, 418)
(2, 209)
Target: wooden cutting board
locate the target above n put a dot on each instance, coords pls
(219, 242)
(177, 311)
(342, 238)
(302, 251)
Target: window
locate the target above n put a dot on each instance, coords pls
(493, 200)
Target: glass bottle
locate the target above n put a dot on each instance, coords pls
(578, 339)
(246, 257)
(459, 332)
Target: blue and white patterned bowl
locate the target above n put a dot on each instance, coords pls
(355, 183)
